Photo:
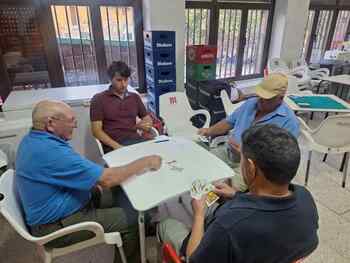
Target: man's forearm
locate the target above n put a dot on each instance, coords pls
(106, 139)
(220, 128)
(116, 175)
(196, 234)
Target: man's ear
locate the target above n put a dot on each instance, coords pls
(251, 167)
(49, 125)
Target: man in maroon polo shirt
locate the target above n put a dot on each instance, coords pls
(113, 112)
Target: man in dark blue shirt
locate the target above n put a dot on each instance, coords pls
(275, 222)
(58, 187)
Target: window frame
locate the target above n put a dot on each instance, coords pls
(214, 6)
(318, 8)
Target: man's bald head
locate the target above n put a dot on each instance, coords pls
(47, 109)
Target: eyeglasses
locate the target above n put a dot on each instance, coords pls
(73, 120)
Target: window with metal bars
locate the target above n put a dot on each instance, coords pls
(340, 29)
(327, 29)
(321, 35)
(240, 31)
(197, 28)
(75, 42)
(307, 36)
(119, 37)
(228, 42)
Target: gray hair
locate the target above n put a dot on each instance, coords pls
(45, 109)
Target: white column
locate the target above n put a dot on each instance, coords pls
(168, 15)
(289, 24)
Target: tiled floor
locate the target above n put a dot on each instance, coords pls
(332, 200)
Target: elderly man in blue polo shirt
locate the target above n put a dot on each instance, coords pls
(267, 108)
(58, 187)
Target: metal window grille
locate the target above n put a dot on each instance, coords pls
(340, 29)
(307, 36)
(228, 42)
(321, 35)
(119, 37)
(76, 46)
(255, 41)
(197, 26)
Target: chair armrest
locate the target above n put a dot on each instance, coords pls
(154, 132)
(207, 116)
(94, 227)
(303, 125)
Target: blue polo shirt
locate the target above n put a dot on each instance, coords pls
(52, 179)
(243, 118)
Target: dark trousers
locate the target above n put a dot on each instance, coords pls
(107, 149)
(113, 211)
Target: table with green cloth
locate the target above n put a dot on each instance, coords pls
(317, 102)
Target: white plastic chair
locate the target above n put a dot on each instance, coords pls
(299, 62)
(294, 88)
(3, 159)
(228, 105)
(11, 209)
(277, 65)
(331, 136)
(176, 111)
(229, 108)
(153, 130)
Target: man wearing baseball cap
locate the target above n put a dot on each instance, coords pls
(267, 108)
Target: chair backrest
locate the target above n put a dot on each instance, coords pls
(228, 105)
(276, 65)
(298, 63)
(3, 159)
(10, 205)
(100, 148)
(176, 111)
(333, 132)
(169, 254)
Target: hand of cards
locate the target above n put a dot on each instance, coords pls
(200, 188)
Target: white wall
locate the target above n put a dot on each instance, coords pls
(289, 24)
(168, 15)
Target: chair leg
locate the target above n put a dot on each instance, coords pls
(122, 254)
(343, 162)
(345, 172)
(325, 157)
(308, 167)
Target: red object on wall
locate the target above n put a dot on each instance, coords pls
(201, 54)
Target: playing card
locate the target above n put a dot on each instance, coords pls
(200, 187)
(211, 198)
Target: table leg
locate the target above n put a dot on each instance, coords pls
(142, 235)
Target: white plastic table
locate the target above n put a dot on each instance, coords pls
(152, 188)
(343, 80)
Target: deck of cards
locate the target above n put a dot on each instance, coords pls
(202, 187)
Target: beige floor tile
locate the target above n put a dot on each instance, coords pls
(346, 216)
(325, 254)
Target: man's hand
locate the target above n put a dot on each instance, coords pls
(204, 132)
(234, 145)
(144, 125)
(199, 206)
(153, 162)
(224, 190)
(116, 146)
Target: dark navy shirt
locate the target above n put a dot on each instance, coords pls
(258, 229)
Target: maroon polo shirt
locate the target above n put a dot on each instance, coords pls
(118, 115)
